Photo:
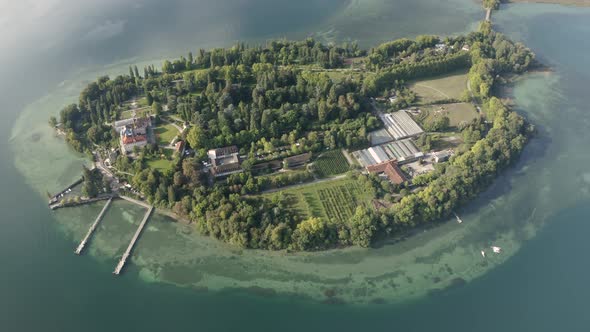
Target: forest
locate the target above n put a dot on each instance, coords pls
(278, 99)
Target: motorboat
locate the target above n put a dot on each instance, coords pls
(458, 219)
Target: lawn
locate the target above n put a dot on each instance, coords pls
(449, 86)
(142, 102)
(139, 103)
(330, 163)
(457, 113)
(160, 164)
(165, 133)
(163, 163)
(335, 201)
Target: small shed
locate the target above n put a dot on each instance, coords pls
(442, 156)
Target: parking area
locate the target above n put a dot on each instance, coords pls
(419, 167)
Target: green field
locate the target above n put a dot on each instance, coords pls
(163, 163)
(139, 103)
(449, 86)
(337, 76)
(165, 133)
(335, 201)
(330, 163)
(457, 113)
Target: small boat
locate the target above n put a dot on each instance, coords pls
(497, 250)
(483, 254)
(458, 219)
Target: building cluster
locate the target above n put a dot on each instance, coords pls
(404, 151)
(297, 160)
(392, 146)
(397, 126)
(390, 169)
(133, 133)
(392, 98)
(224, 161)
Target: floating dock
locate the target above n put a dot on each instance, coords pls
(127, 253)
(93, 227)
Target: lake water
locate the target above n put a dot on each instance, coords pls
(537, 211)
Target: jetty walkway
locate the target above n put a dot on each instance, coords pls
(93, 227)
(54, 199)
(135, 201)
(127, 253)
(60, 205)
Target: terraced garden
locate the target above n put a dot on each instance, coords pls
(330, 163)
(138, 113)
(335, 201)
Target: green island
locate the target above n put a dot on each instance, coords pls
(299, 145)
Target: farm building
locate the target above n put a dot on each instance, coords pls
(389, 169)
(403, 151)
(442, 156)
(224, 161)
(296, 161)
(179, 147)
(398, 125)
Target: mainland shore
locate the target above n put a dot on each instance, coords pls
(581, 3)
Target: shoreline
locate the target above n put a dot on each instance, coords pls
(576, 3)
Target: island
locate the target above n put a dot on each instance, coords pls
(297, 145)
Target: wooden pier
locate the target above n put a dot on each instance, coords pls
(93, 227)
(135, 201)
(127, 253)
(60, 205)
(488, 14)
(54, 199)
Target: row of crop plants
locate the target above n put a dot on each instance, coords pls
(340, 202)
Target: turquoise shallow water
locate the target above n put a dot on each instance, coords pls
(540, 288)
